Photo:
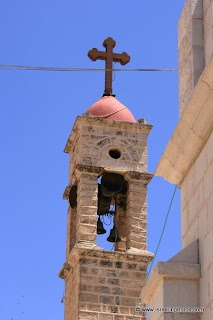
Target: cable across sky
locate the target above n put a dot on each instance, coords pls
(70, 69)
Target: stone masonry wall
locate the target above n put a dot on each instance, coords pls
(95, 137)
(72, 294)
(105, 285)
(87, 201)
(109, 287)
(195, 45)
(136, 221)
(190, 49)
(89, 146)
(120, 222)
(208, 29)
(197, 220)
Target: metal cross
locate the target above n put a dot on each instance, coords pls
(109, 57)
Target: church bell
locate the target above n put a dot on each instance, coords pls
(100, 227)
(114, 236)
(111, 183)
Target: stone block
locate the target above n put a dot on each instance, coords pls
(87, 228)
(203, 126)
(105, 263)
(181, 293)
(192, 233)
(86, 287)
(206, 4)
(208, 185)
(186, 46)
(204, 287)
(106, 299)
(210, 214)
(113, 309)
(90, 202)
(209, 149)
(184, 21)
(88, 279)
(195, 204)
(190, 254)
(184, 96)
(210, 282)
(200, 167)
(207, 26)
(97, 271)
(198, 63)
(82, 306)
(113, 281)
(203, 222)
(133, 293)
(124, 310)
(88, 194)
(111, 273)
(118, 291)
(88, 316)
(101, 280)
(116, 317)
(87, 237)
(207, 253)
(138, 275)
(119, 264)
(105, 317)
(184, 221)
(208, 48)
(131, 266)
(102, 289)
(94, 307)
(128, 301)
(123, 274)
(130, 284)
(197, 9)
(136, 245)
(88, 297)
(87, 209)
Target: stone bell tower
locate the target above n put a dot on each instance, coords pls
(108, 169)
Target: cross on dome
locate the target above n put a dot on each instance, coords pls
(109, 57)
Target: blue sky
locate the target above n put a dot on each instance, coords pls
(38, 110)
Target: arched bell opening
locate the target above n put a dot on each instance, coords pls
(111, 226)
(72, 218)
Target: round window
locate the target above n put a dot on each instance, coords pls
(114, 153)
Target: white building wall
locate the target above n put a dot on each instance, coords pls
(197, 219)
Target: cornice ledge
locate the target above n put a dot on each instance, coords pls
(81, 251)
(169, 270)
(191, 132)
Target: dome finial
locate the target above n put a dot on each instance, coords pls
(109, 57)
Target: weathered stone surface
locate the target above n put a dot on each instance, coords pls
(191, 46)
(107, 283)
(191, 133)
(173, 284)
(91, 140)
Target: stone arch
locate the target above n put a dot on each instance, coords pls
(128, 152)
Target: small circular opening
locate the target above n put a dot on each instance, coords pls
(114, 153)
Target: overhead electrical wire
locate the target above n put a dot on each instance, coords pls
(69, 69)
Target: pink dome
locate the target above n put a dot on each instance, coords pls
(109, 107)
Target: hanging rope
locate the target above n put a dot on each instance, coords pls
(156, 251)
